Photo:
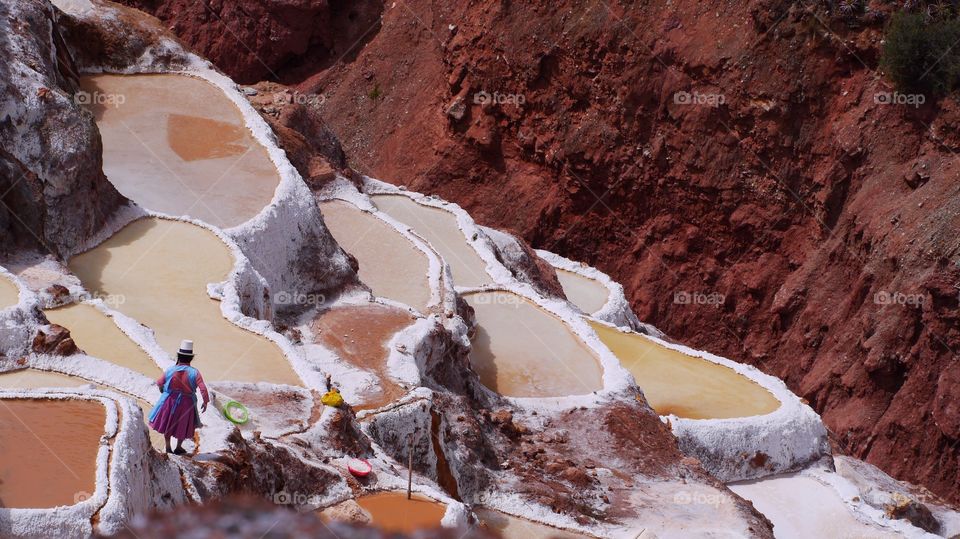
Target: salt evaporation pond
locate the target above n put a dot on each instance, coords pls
(684, 385)
(59, 440)
(96, 334)
(9, 293)
(440, 229)
(160, 268)
(511, 527)
(359, 334)
(800, 507)
(392, 512)
(176, 144)
(36, 379)
(390, 264)
(520, 350)
(589, 295)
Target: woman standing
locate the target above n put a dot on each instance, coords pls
(175, 414)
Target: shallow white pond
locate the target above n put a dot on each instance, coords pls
(520, 350)
(440, 229)
(156, 271)
(176, 144)
(587, 294)
(390, 264)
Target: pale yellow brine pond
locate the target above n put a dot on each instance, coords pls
(390, 264)
(684, 385)
(9, 293)
(96, 334)
(520, 350)
(159, 269)
(440, 229)
(589, 295)
(176, 144)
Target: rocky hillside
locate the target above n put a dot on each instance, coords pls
(742, 167)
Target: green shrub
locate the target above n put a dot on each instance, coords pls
(922, 55)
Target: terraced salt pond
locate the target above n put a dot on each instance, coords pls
(36, 379)
(96, 334)
(684, 385)
(9, 293)
(359, 334)
(161, 269)
(783, 500)
(392, 512)
(440, 229)
(390, 264)
(177, 144)
(59, 440)
(520, 350)
(589, 295)
(511, 527)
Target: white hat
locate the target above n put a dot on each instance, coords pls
(186, 348)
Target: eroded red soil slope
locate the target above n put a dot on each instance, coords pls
(734, 164)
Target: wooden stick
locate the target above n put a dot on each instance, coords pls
(409, 469)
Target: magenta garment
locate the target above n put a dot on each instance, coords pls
(177, 420)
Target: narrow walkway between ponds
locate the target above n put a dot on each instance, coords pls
(589, 295)
(684, 385)
(390, 264)
(359, 334)
(183, 257)
(9, 293)
(520, 350)
(801, 507)
(96, 334)
(59, 439)
(176, 144)
(440, 229)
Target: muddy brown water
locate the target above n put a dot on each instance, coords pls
(511, 527)
(176, 144)
(390, 264)
(359, 334)
(160, 270)
(48, 451)
(520, 350)
(685, 385)
(9, 293)
(587, 294)
(97, 335)
(393, 512)
(440, 229)
(35, 379)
